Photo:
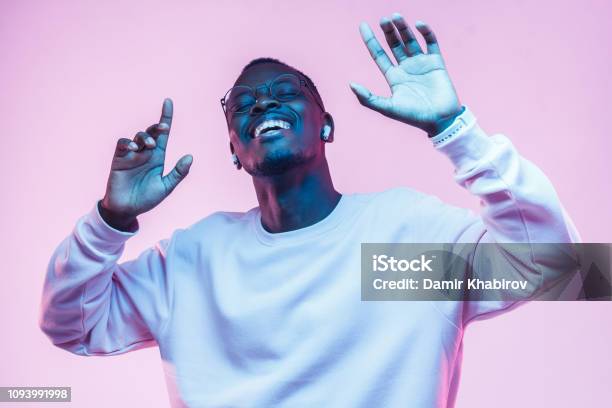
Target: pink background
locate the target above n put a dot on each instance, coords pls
(75, 76)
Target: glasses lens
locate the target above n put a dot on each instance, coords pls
(286, 87)
(239, 99)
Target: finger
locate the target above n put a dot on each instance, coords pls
(376, 51)
(412, 45)
(178, 173)
(429, 36)
(369, 100)
(144, 141)
(165, 120)
(167, 112)
(156, 129)
(396, 45)
(124, 146)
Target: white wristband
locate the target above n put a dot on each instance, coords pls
(461, 123)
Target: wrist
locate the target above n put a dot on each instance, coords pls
(120, 222)
(460, 126)
(441, 124)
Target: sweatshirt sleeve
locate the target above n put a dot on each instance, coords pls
(519, 206)
(91, 305)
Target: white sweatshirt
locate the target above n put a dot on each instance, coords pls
(246, 318)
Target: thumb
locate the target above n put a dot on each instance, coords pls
(369, 100)
(178, 173)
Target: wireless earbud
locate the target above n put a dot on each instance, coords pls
(236, 161)
(326, 133)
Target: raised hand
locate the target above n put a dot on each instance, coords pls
(136, 182)
(422, 92)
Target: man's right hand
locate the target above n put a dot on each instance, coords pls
(136, 182)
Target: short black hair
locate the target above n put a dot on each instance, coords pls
(269, 60)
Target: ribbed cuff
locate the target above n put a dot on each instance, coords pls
(104, 231)
(464, 142)
(459, 126)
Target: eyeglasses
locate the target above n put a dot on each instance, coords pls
(285, 87)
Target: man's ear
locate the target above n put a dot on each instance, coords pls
(328, 121)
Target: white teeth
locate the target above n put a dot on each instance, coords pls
(271, 123)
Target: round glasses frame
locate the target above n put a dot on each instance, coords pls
(299, 80)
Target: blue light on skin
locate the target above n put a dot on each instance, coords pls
(290, 172)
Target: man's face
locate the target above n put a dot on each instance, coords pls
(273, 152)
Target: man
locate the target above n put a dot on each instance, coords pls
(263, 308)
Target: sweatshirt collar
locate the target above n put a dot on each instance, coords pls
(340, 212)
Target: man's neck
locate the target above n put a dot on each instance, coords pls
(296, 199)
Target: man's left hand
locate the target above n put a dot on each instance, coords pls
(422, 92)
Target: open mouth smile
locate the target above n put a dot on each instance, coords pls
(269, 127)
